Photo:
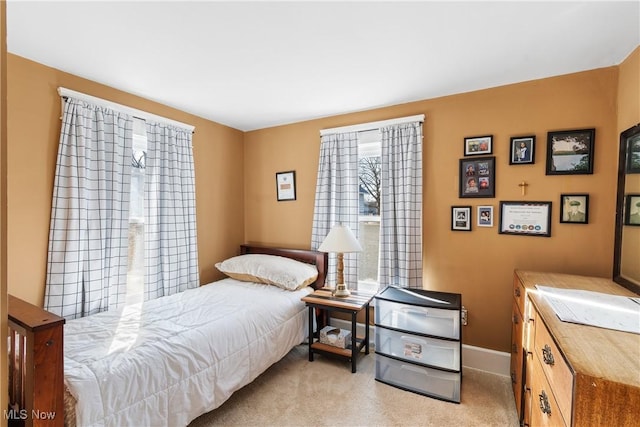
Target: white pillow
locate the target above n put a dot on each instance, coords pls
(286, 273)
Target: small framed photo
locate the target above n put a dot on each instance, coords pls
(570, 152)
(632, 209)
(286, 185)
(574, 208)
(525, 218)
(461, 218)
(485, 216)
(522, 150)
(633, 154)
(477, 177)
(478, 145)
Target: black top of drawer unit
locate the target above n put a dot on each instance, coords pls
(443, 300)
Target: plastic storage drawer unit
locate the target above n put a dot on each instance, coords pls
(419, 349)
(422, 320)
(419, 341)
(419, 379)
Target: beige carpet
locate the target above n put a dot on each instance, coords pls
(296, 392)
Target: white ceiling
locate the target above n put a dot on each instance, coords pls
(251, 65)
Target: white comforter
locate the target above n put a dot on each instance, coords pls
(167, 361)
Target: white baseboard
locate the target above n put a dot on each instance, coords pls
(482, 359)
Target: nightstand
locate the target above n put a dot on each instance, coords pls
(323, 299)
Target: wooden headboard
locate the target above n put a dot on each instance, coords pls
(319, 259)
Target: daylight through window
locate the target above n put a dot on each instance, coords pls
(135, 272)
(369, 178)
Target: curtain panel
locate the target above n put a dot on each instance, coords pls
(337, 198)
(87, 259)
(401, 211)
(171, 252)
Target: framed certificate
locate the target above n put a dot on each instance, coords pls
(525, 218)
(286, 185)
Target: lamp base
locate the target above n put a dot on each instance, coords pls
(341, 291)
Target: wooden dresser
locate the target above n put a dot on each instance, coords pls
(566, 374)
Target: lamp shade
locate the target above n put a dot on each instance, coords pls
(340, 239)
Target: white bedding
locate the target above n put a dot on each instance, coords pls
(167, 361)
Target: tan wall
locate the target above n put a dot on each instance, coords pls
(629, 91)
(628, 116)
(478, 264)
(33, 132)
(4, 397)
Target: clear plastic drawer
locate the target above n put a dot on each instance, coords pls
(419, 379)
(422, 320)
(427, 351)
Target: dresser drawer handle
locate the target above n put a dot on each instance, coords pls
(513, 377)
(515, 319)
(547, 356)
(544, 403)
(514, 348)
(517, 292)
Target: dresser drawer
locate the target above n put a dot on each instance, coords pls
(517, 334)
(517, 356)
(519, 293)
(427, 351)
(555, 369)
(423, 320)
(530, 319)
(544, 407)
(529, 361)
(419, 379)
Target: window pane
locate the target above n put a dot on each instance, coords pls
(135, 272)
(369, 237)
(369, 173)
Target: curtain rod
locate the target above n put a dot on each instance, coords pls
(372, 125)
(66, 93)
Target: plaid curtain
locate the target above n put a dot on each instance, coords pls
(401, 211)
(87, 260)
(171, 252)
(337, 198)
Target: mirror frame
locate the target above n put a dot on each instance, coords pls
(617, 247)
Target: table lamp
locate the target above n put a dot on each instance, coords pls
(340, 240)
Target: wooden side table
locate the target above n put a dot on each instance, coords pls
(353, 304)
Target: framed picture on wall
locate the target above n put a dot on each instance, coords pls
(461, 218)
(485, 216)
(525, 218)
(478, 145)
(633, 154)
(522, 150)
(477, 177)
(286, 185)
(574, 208)
(570, 152)
(632, 209)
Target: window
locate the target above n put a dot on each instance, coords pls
(369, 193)
(135, 271)
(83, 279)
(370, 178)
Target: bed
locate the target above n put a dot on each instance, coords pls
(167, 361)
